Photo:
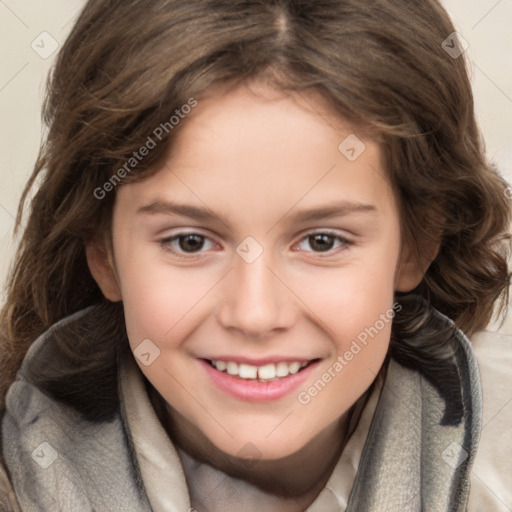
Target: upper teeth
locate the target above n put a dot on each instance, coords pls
(265, 372)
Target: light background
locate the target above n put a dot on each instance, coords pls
(484, 24)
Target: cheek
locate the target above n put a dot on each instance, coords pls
(360, 326)
(354, 296)
(157, 302)
(355, 305)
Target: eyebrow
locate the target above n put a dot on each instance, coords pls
(335, 209)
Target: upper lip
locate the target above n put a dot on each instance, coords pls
(260, 361)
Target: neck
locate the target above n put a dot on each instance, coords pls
(284, 478)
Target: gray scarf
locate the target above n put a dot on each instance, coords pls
(62, 460)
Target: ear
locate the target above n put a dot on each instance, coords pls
(102, 269)
(412, 268)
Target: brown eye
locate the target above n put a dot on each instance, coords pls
(187, 244)
(191, 243)
(321, 242)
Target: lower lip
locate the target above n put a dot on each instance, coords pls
(254, 391)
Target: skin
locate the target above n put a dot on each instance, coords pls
(255, 157)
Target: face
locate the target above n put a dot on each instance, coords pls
(264, 246)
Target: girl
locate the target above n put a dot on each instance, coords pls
(262, 233)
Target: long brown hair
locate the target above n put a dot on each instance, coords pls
(128, 66)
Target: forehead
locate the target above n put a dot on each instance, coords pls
(257, 148)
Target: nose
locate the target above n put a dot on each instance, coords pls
(256, 300)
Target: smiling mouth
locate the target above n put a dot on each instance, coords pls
(266, 373)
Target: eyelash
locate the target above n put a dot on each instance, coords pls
(345, 244)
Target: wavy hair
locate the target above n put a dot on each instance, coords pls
(127, 66)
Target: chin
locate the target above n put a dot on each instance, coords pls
(256, 448)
